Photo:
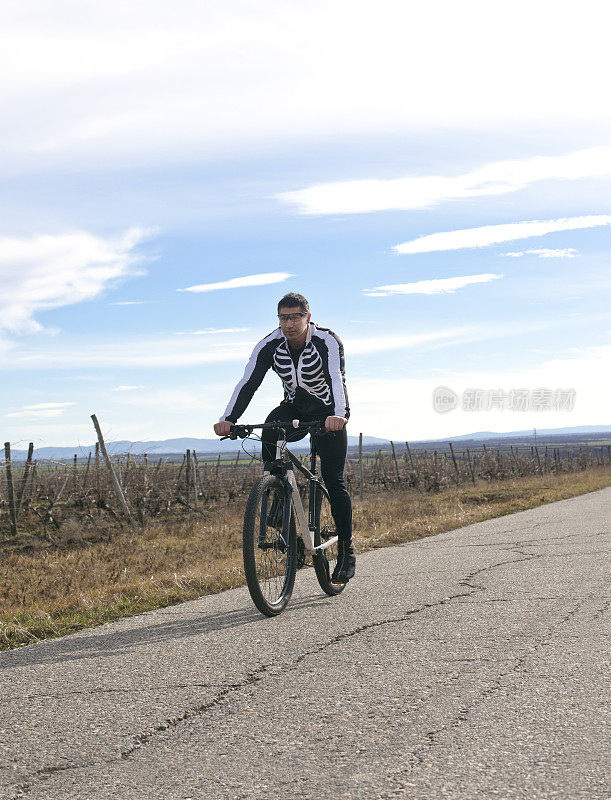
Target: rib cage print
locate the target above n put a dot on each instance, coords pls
(311, 373)
(312, 376)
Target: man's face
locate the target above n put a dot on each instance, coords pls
(293, 322)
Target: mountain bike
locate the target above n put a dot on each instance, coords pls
(273, 550)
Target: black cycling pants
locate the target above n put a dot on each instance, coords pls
(331, 448)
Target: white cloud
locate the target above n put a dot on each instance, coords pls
(494, 234)
(47, 272)
(261, 279)
(44, 413)
(435, 286)
(41, 411)
(130, 303)
(380, 344)
(38, 406)
(134, 353)
(545, 252)
(208, 331)
(151, 81)
(427, 191)
(125, 388)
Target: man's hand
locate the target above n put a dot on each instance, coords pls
(335, 423)
(223, 428)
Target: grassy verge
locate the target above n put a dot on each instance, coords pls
(78, 584)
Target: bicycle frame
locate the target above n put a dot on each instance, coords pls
(305, 526)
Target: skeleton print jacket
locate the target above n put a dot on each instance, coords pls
(315, 386)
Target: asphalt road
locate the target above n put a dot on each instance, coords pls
(472, 664)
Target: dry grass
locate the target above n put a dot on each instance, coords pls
(399, 517)
(78, 583)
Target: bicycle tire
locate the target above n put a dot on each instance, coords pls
(324, 529)
(269, 553)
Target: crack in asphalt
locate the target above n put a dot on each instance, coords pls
(547, 539)
(605, 607)
(115, 689)
(526, 597)
(466, 581)
(418, 754)
(141, 739)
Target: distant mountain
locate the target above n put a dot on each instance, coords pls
(529, 432)
(166, 446)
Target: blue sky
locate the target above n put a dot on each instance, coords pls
(364, 159)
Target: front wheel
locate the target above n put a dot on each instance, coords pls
(269, 543)
(324, 529)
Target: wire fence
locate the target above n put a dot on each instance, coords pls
(40, 496)
(433, 471)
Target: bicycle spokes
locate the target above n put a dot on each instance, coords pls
(269, 546)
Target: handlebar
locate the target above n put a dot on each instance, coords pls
(242, 431)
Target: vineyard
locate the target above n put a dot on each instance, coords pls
(65, 499)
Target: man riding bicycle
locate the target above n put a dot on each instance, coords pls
(309, 361)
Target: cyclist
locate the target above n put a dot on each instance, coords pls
(310, 363)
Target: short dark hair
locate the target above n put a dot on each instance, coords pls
(293, 299)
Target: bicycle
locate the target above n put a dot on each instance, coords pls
(272, 549)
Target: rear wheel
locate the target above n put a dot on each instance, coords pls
(269, 544)
(324, 529)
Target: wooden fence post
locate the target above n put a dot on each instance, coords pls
(538, 459)
(412, 464)
(515, 459)
(180, 470)
(394, 455)
(24, 480)
(195, 489)
(411, 460)
(454, 461)
(87, 471)
(97, 470)
(361, 465)
(188, 476)
(9, 483)
(111, 471)
(33, 478)
(378, 463)
(471, 466)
